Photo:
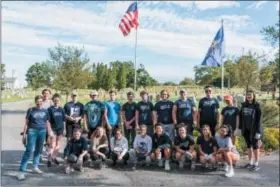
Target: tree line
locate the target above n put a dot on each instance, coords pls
(68, 68)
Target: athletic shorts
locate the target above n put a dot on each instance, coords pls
(251, 143)
(69, 129)
(58, 132)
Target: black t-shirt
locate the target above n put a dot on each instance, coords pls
(75, 147)
(164, 111)
(248, 115)
(209, 109)
(129, 109)
(145, 110)
(207, 146)
(185, 143)
(229, 116)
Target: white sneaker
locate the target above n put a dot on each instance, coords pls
(230, 173)
(21, 176)
(188, 155)
(226, 168)
(37, 170)
(160, 163)
(181, 164)
(193, 165)
(167, 166)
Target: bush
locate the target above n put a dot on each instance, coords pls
(271, 139)
(240, 144)
(270, 113)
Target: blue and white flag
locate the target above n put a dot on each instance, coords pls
(216, 51)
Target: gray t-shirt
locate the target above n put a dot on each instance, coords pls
(47, 103)
(225, 143)
(144, 144)
(120, 146)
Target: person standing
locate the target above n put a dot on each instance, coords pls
(142, 147)
(208, 111)
(74, 112)
(163, 114)
(128, 110)
(112, 114)
(144, 113)
(57, 118)
(47, 102)
(251, 126)
(93, 113)
(184, 112)
(230, 115)
(34, 133)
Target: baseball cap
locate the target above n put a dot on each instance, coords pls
(228, 97)
(93, 92)
(74, 93)
(183, 91)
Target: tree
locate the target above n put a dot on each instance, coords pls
(169, 83)
(143, 78)
(39, 75)
(266, 74)
(247, 71)
(187, 81)
(122, 77)
(272, 34)
(3, 70)
(72, 75)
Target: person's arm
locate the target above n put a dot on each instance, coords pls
(106, 118)
(167, 142)
(105, 144)
(125, 147)
(222, 117)
(237, 120)
(218, 114)
(198, 113)
(135, 142)
(155, 116)
(149, 145)
(258, 122)
(240, 117)
(66, 152)
(137, 119)
(177, 147)
(66, 112)
(174, 113)
(112, 144)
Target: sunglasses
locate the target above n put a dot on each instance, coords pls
(93, 95)
(208, 91)
(74, 95)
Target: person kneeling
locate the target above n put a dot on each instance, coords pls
(184, 145)
(75, 152)
(142, 147)
(99, 149)
(226, 153)
(161, 147)
(119, 147)
(207, 146)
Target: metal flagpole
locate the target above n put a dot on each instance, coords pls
(222, 63)
(135, 59)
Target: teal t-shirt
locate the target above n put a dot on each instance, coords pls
(94, 111)
(113, 111)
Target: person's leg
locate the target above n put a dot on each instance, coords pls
(69, 131)
(114, 158)
(249, 149)
(30, 146)
(181, 159)
(52, 146)
(133, 157)
(150, 130)
(256, 151)
(202, 160)
(39, 147)
(213, 129)
(125, 158)
(127, 134)
(167, 155)
(190, 129)
(133, 135)
(230, 157)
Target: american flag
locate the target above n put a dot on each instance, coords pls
(130, 19)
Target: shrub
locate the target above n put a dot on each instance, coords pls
(240, 144)
(271, 139)
(270, 113)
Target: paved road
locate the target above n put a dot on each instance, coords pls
(12, 149)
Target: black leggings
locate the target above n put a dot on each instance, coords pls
(104, 150)
(250, 142)
(115, 156)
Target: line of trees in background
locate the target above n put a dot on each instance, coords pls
(68, 68)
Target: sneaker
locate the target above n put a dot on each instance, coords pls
(134, 167)
(181, 164)
(255, 168)
(49, 163)
(125, 162)
(103, 165)
(21, 176)
(229, 173)
(193, 166)
(37, 170)
(167, 166)
(248, 166)
(226, 168)
(160, 163)
(81, 169)
(68, 170)
(114, 163)
(188, 155)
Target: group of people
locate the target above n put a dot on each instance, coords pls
(142, 131)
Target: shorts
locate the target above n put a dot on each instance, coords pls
(58, 132)
(69, 129)
(208, 156)
(250, 142)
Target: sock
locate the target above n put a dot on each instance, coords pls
(251, 162)
(167, 161)
(226, 164)
(256, 163)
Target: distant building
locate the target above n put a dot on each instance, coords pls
(10, 82)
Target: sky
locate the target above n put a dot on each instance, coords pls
(172, 38)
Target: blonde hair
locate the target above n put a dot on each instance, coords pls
(207, 127)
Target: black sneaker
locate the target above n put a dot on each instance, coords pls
(49, 164)
(255, 168)
(248, 166)
(56, 161)
(114, 163)
(125, 162)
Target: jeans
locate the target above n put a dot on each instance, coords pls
(35, 141)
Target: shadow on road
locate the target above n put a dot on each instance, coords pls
(12, 112)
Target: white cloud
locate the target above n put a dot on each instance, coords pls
(277, 5)
(257, 5)
(163, 31)
(204, 5)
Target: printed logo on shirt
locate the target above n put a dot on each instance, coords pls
(143, 147)
(57, 114)
(184, 144)
(39, 114)
(248, 111)
(184, 105)
(75, 112)
(229, 112)
(144, 107)
(163, 107)
(208, 103)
